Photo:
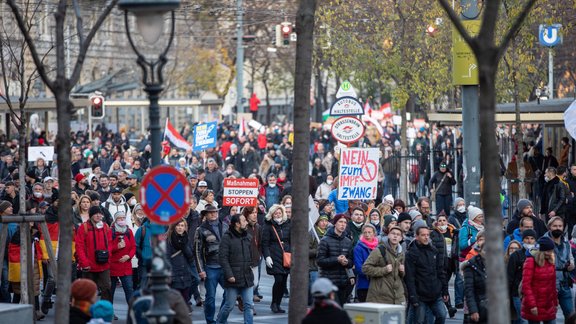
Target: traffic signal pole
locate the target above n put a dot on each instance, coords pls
(239, 58)
(470, 124)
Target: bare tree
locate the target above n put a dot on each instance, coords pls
(61, 85)
(488, 54)
(300, 236)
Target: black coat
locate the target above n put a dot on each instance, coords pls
(77, 316)
(554, 197)
(514, 269)
(514, 223)
(207, 245)
(180, 261)
(425, 276)
(327, 313)
(271, 247)
(330, 247)
(442, 187)
(475, 286)
(235, 258)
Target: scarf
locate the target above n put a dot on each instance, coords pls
(472, 223)
(120, 229)
(83, 305)
(320, 232)
(370, 244)
(178, 241)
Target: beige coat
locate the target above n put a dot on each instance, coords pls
(385, 287)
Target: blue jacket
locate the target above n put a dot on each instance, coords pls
(361, 253)
(516, 236)
(341, 206)
(144, 244)
(467, 235)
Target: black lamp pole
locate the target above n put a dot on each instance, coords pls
(153, 80)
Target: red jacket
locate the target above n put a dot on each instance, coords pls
(117, 268)
(86, 235)
(539, 290)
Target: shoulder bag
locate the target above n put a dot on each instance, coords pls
(286, 256)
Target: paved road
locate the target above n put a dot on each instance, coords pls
(264, 315)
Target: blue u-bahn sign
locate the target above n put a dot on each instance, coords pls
(550, 35)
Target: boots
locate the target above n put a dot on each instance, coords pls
(276, 309)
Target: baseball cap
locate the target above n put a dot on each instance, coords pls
(322, 287)
(132, 176)
(202, 184)
(48, 179)
(116, 190)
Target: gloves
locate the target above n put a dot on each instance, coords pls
(269, 262)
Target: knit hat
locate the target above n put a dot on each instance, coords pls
(102, 309)
(414, 213)
(83, 290)
(474, 212)
(417, 224)
(545, 244)
(404, 217)
(94, 210)
(369, 225)
(79, 177)
(337, 218)
(389, 219)
(322, 217)
(128, 195)
(529, 232)
(523, 203)
(389, 200)
(458, 200)
(4, 205)
(119, 214)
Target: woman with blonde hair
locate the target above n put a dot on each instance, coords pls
(276, 241)
(80, 210)
(540, 300)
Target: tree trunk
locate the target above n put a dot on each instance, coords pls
(300, 235)
(495, 268)
(404, 154)
(64, 108)
(25, 251)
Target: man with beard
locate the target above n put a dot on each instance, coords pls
(423, 205)
(524, 208)
(354, 228)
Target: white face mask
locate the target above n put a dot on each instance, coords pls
(278, 220)
(132, 202)
(272, 185)
(528, 246)
(443, 227)
(38, 194)
(121, 223)
(100, 224)
(329, 182)
(461, 209)
(546, 178)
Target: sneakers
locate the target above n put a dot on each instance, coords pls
(256, 299)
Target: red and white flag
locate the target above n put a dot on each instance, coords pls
(242, 128)
(387, 110)
(367, 109)
(174, 137)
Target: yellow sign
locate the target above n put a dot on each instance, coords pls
(464, 64)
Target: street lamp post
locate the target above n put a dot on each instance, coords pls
(150, 22)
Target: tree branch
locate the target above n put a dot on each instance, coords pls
(84, 47)
(79, 22)
(457, 23)
(31, 45)
(515, 27)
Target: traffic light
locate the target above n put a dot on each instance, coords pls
(97, 105)
(286, 32)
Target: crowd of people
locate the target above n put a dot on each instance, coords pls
(383, 251)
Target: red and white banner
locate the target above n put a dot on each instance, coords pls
(240, 192)
(387, 110)
(174, 137)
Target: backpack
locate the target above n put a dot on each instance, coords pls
(383, 252)
(414, 175)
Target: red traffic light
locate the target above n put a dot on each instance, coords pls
(286, 29)
(96, 100)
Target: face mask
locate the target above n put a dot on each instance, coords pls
(358, 224)
(528, 246)
(443, 227)
(132, 202)
(557, 233)
(100, 224)
(546, 179)
(461, 209)
(278, 220)
(38, 195)
(329, 182)
(47, 196)
(140, 216)
(272, 185)
(121, 223)
(376, 222)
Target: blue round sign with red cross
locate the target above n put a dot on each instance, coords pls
(165, 195)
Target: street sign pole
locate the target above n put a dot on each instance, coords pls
(470, 124)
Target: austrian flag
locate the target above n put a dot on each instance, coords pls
(175, 138)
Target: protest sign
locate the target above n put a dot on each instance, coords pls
(358, 173)
(205, 136)
(44, 152)
(240, 192)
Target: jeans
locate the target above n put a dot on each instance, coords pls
(437, 309)
(443, 203)
(458, 288)
(312, 276)
(4, 292)
(49, 285)
(143, 274)
(126, 285)
(390, 184)
(214, 277)
(518, 307)
(231, 295)
(565, 300)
